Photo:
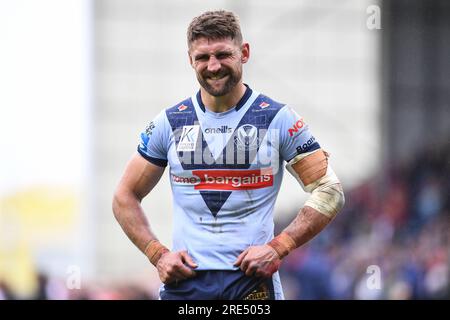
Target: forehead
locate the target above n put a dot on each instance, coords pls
(205, 45)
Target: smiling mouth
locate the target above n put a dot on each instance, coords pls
(218, 77)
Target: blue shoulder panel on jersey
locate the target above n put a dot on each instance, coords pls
(182, 114)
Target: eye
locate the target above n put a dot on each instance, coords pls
(223, 55)
(201, 58)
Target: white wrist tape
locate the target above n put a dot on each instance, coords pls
(316, 176)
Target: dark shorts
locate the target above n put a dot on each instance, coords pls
(222, 285)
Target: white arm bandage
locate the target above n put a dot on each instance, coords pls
(316, 176)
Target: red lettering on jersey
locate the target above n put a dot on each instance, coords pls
(294, 129)
(233, 179)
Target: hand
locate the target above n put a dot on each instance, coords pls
(174, 266)
(261, 261)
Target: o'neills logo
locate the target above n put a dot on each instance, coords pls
(222, 129)
(229, 179)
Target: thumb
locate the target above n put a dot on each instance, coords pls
(187, 258)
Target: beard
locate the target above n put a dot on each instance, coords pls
(234, 77)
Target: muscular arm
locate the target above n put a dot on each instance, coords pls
(326, 199)
(139, 179)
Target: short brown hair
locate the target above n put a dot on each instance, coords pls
(215, 25)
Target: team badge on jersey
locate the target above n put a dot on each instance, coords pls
(188, 138)
(246, 137)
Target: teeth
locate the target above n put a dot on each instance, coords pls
(216, 77)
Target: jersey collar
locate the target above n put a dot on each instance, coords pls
(247, 94)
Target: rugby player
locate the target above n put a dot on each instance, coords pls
(226, 147)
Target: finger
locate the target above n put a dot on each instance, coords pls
(245, 263)
(173, 273)
(259, 273)
(169, 278)
(185, 271)
(240, 258)
(180, 276)
(173, 280)
(262, 273)
(251, 269)
(175, 276)
(187, 258)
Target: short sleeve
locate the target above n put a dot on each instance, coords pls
(154, 141)
(295, 135)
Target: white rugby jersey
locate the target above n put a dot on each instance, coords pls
(225, 172)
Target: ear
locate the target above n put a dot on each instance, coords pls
(245, 52)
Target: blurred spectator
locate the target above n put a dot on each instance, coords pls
(5, 292)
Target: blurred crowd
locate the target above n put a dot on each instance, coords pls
(56, 288)
(394, 227)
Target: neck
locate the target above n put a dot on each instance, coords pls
(223, 103)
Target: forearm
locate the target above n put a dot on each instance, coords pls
(326, 200)
(131, 217)
(139, 179)
(306, 225)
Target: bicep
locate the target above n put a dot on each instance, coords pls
(140, 176)
(317, 177)
(309, 168)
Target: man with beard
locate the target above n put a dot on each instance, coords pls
(225, 147)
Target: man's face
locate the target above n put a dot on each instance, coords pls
(218, 63)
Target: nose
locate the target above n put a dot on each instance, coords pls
(213, 64)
